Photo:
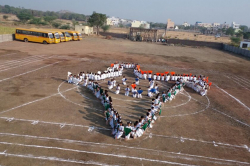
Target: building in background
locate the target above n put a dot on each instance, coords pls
(86, 30)
(138, 24)
(235, 26)
(113, 21)
(245, 44)
(170, 24)
(185, 24)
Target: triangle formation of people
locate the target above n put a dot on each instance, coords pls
(90, 80)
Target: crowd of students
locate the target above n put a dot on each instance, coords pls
(113, 118)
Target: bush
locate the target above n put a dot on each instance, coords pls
(105, 28)
(235, 40)
(65, 27)
(5, 17)
(56, 24)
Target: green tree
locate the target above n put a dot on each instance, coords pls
(97, 20)
(65, 27)
(246, 35)
(5, 17)
(244, 28)
(230, 31)
(35, 20)
(56, 24)
(239, 33)
(49, 19)
(105, 28)
(24, 16)
(235, 40)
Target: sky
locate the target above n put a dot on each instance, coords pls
(179, 11)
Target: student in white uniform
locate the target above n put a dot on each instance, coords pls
(134, 92)
(120, 131)
(145, 75)
(117, 89)
(149, 75)
(162, 77)
(127, 91)
(137, 81)
(127, 137)
(70, 79)
(159, 77)
(149, 92)
(203, 92)
(151, 84)
(124, 80)
(85, 82)
(139, 94)
(156, 88)
(154, 77)
(168, 77)
(110, 84)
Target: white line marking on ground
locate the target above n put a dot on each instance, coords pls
(7, 54)
(29, 71)
(61, 125)
(234, 98)
(49, 158)
(7, 64)
(95, 153)
(122, 146)
(24, 64)
(35, 101)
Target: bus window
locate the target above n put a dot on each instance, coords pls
(57, 36)
(51, 35)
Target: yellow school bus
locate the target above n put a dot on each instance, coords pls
(66, 35)
(79, 35)
(34, 35)
(54, 33)
(73, 35)
(62, 36)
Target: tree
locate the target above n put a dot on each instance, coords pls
(246, 35)
(230, 31)
(65, 27)
(35, 20)
(24, 16)
(97, 20)
(56, 24)
(5, 17)
(235, 40)
(105, 28)
(49, 19)
(239, 34)
(244, 28)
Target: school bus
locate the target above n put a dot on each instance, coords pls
(66, 35)
(63, 37)
(79, 35)
(55, 35)
(34, 35)
(73, 35)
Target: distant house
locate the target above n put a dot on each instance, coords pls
(87, 30)
(113, 21)
(245, 44)
(170, 24)
(185, 24)
(235, 26)
(142, 24)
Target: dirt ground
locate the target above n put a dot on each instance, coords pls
(179, 35)
(46, 121)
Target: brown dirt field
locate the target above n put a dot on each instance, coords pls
(179, 35)
(45, 121)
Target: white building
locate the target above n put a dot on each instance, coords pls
(137, 24)
(206, 25)
(186, 24)
(113, 21)
(245, 44)
(216, 25)
(176, 28)
(235, 26)
(84, 29)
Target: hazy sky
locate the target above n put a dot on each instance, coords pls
(150, 10)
